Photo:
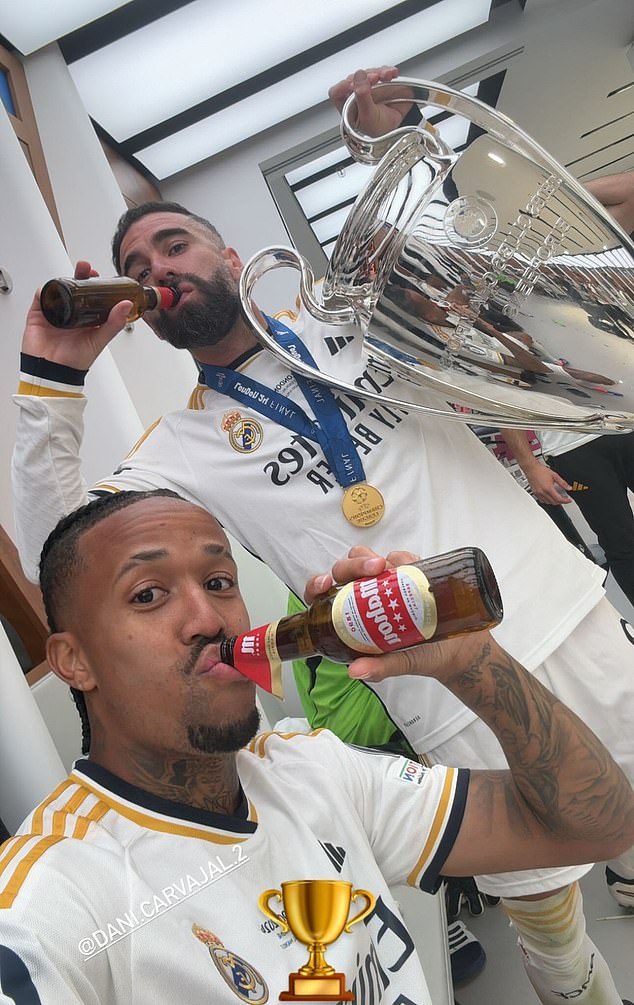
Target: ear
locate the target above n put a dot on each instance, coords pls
(233, 260)
(66, 659)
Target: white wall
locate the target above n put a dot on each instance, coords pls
(131, 385)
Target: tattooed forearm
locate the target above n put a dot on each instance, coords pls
(561, 773)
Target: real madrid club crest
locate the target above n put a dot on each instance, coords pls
(245, 434)
(243, 979)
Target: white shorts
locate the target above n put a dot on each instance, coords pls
(592, 672)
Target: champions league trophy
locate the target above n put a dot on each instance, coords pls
(480, 272)
(316, 912)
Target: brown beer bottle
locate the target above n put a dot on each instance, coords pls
(435, 598)
(77, 303)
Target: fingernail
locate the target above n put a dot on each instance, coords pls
(358, 673)
(323, 583)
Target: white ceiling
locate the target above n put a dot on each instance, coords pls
(170, 83)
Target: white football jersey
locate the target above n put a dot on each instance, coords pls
(112, 895)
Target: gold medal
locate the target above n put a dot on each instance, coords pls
(362, 505)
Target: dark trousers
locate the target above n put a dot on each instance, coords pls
(601, 472)
(559, 516)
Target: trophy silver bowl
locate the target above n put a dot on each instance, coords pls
(481, 271)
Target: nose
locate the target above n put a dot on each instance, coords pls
(200, 616)
(162, 272)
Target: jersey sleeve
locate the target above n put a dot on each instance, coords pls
(46, 467)
(33, 971)
(411, 813)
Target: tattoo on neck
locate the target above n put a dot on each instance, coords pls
(209, 781)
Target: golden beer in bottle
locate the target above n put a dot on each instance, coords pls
(78, 303)
(433, 599)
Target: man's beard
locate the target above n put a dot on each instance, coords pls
(206, 321)
(225, 739)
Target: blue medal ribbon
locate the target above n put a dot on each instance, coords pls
(328, 429)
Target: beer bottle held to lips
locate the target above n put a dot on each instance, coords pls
(434, 599)
(78, 303)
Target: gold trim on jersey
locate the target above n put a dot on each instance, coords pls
(160, 823)
(288, 313)
(105, 487)
(196, 401)
(143, 438)
(259, 742)
(438, 825)
(56, 824)
(41, 391)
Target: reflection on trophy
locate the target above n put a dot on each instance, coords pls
(316, 912)
(479, 271)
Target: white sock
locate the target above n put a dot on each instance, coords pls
(561, 962)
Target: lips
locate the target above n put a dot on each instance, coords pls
(185, 289)
(208, 665)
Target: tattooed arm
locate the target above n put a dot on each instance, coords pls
(563, 801)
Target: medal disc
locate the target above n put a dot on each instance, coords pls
(362, 505)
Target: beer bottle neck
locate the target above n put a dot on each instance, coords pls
(292, 637)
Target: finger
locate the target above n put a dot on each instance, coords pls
(362, 551)
(377, 668)
(558, 480)
(339, 93)
(395, 558)
(101, 337)
(317, 586)
(553, 498)
(84, 270)
(365, 102)
(348, 569)
(559, 491)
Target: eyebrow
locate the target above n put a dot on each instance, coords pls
(156, 239)
(156, 554)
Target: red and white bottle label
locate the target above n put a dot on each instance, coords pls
(391, 611)
(255, 655)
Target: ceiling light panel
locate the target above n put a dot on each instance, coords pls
(309, 87)
(201, 50)
(30, 24)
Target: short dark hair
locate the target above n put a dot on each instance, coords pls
(144, 209)
(61, 563)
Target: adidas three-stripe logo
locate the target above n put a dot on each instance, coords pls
(335, 854)
(335, 343)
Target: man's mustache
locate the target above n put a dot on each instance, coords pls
(198, 647)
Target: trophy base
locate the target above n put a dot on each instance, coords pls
(327, 988)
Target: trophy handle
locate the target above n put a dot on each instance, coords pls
(263, 904)
(278, 257)
(370, 900)
(372, 149)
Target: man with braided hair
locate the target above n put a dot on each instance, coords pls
(138, 879)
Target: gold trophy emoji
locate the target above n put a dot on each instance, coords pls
(316, 913)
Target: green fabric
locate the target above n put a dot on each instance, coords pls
(347, 707)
